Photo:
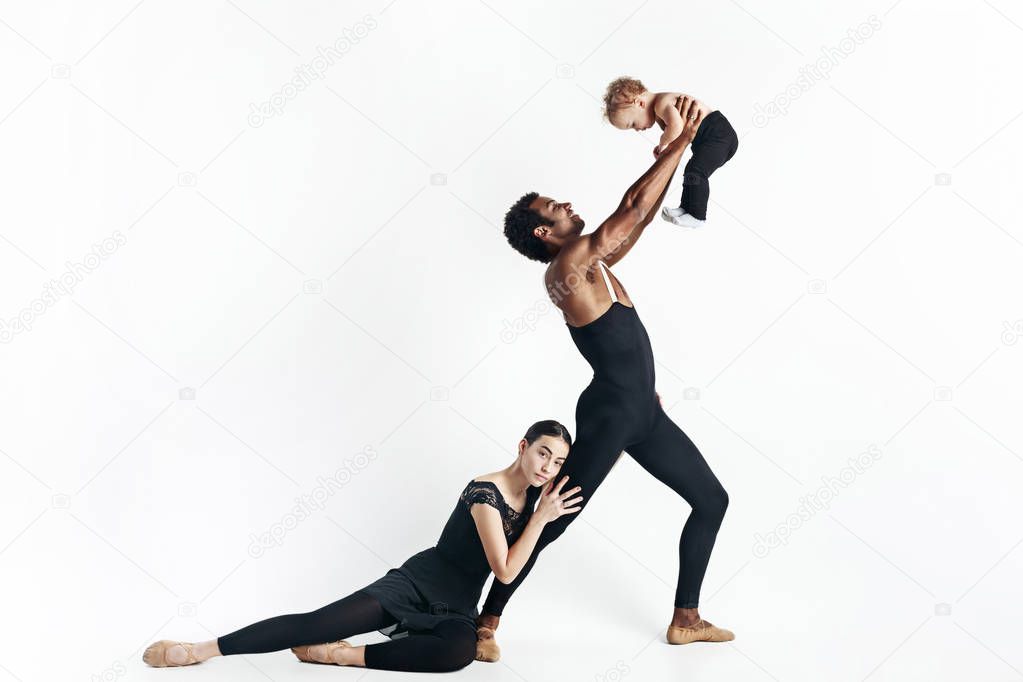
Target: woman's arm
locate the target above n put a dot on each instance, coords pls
(506, 562)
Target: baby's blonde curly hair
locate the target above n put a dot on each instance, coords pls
(620, 93)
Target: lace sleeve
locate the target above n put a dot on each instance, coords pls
(480, 492)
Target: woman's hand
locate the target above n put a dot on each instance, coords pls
(554, 503)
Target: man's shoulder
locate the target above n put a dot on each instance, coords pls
(578, 251)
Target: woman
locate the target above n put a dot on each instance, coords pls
(428, 605)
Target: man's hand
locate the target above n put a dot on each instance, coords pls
(691, 111)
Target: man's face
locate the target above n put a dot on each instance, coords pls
(566, 222)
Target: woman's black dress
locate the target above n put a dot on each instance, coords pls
(445, 582)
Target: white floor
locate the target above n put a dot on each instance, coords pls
(233, 310)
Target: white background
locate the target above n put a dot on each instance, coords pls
(841, 296)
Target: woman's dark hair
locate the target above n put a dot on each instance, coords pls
(548, 427)
(519, 223)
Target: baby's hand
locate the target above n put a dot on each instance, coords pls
(657, 151)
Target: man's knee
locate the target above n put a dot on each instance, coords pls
(718, 503)
(553, 530)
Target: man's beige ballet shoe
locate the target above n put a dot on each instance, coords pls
(486, 646)
(156, 654)
(303, 653)
(701, 631)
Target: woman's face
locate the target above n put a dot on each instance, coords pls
(542, 459)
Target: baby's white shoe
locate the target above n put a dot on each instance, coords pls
(687, 220)
(668, 213)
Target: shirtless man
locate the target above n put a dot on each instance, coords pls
(619, 410)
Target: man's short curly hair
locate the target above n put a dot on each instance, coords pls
(620, 93)
(519, 223)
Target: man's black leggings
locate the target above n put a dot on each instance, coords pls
(449, 646)
(715, 143)
(666, 453)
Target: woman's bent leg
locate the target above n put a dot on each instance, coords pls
(449, 646)
(352, 615)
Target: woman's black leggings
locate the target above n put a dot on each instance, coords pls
(449, 646)
(715, 143)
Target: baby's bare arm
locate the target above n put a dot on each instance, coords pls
(666, 110)
(667, 107)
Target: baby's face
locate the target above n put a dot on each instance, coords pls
(633, 117)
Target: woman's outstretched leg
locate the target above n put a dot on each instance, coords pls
(352, 615)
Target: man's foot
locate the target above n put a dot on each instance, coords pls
(686, 220)
(486, 646)
(321, 653)
(700, 631)
(668, 213)
(167, 654)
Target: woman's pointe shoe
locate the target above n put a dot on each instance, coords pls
(319, 653)
(156, 654)
(486, 646)
(701, 631)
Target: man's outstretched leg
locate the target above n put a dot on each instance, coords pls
(589, 461)
(671, 457)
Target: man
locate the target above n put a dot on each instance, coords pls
(619, 410)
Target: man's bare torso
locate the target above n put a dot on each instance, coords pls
(577, 288)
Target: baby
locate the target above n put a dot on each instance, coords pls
(628, 105)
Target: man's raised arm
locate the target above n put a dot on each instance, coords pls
(646, 194)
